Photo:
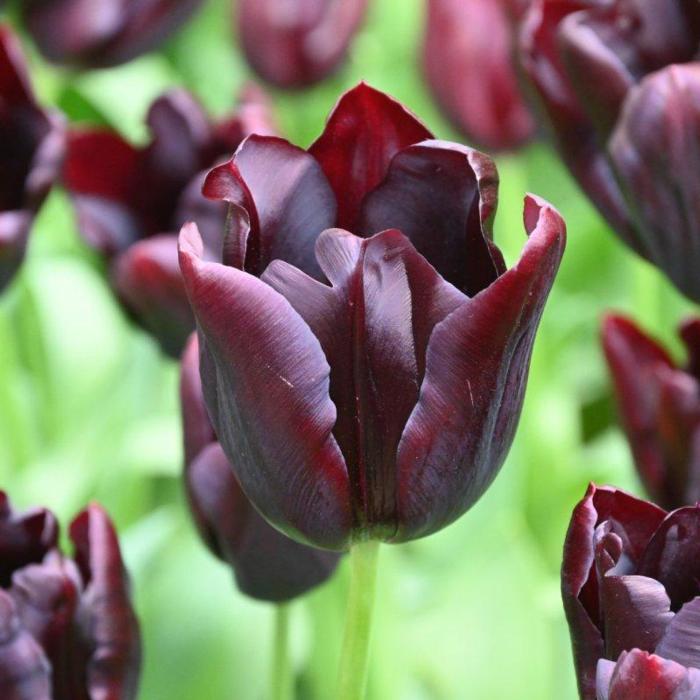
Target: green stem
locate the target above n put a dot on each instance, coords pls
(281, 686)
(354, 660)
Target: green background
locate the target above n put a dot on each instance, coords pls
(88, 410)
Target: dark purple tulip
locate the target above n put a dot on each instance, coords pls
(659, 404)
(67, 628)
(631, 580)
(32, 144)
(267, 564)
(101, 33)
(130, 201)
(469, 63)
(622, 94)
(293, 43)
(365, 386)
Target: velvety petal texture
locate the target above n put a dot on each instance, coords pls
(267, 564)
(294, 43)
(101, 33)
(469, 64)
(67, 627)
(32, 146)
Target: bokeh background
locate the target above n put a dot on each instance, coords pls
(88, 410)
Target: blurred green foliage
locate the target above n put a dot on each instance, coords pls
(88, 410)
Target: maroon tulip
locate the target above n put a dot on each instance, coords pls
(624, 118)
(67, 628)
(365, 386)
(32, 143)
(468, 58)
(267, 564)
(130, 202)
(659, 404)
(101, 33)
(293, 43)
(631, 580)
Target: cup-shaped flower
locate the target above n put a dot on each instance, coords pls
(621, 90)
(32, 143)
(102, 33)
(630, 581)
(294, 43)
(469, 64)
(267, 564)
(366, 386)
(130, 202)
(67, 627)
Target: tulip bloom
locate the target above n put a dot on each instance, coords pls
(367, 386)
(32, 143)
(469, 63)
(624, 118)
(67, 628)
(130, 202)
(102, 33)
(293, 43)
(630, 581)
(267, 564)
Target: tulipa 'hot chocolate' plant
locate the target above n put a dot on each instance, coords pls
(620, 85)
(659, 404)
(630, 585)
(32, 144)
(365, 381)
(469, 63)
(67, 628)
(130, 201)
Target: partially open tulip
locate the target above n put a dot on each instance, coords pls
(32, 143)
(293, 43)
(630, 582)
(267, 564)
(469, 63)
(621, 89)
(659, 404)
(369, 384)
(130, 202)
(101, 33)
(67, 627)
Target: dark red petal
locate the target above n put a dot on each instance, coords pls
(365, 130)
(681, 642)
(107, 621)
(689, 331)
(25, 672)
(14, 233)
(146, 277)
(266, 385)
(443, 197)
(15, 86)
(470, 399)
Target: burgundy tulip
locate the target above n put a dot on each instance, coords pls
(367, 386)
(469, 63)
(32, 144)
(293, 43)
(631, 581)
(659, 404)
(67, 628)
(101, 33)
(130, 201)
(626, 117)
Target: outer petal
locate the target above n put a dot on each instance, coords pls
(266, 385)
(147, 279)
(470, 399)
(689, 331)
(14, 235)
(106, 618)
(681, 642)
(364, 132)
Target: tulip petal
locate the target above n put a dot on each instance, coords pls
(364, 132)
(15, 85)
(477, 361)
(14, 234)
(268, 398)
(689, 331)
(681, 642)
(443, 197)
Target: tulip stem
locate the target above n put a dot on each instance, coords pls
(354, 660)
(281, 670)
